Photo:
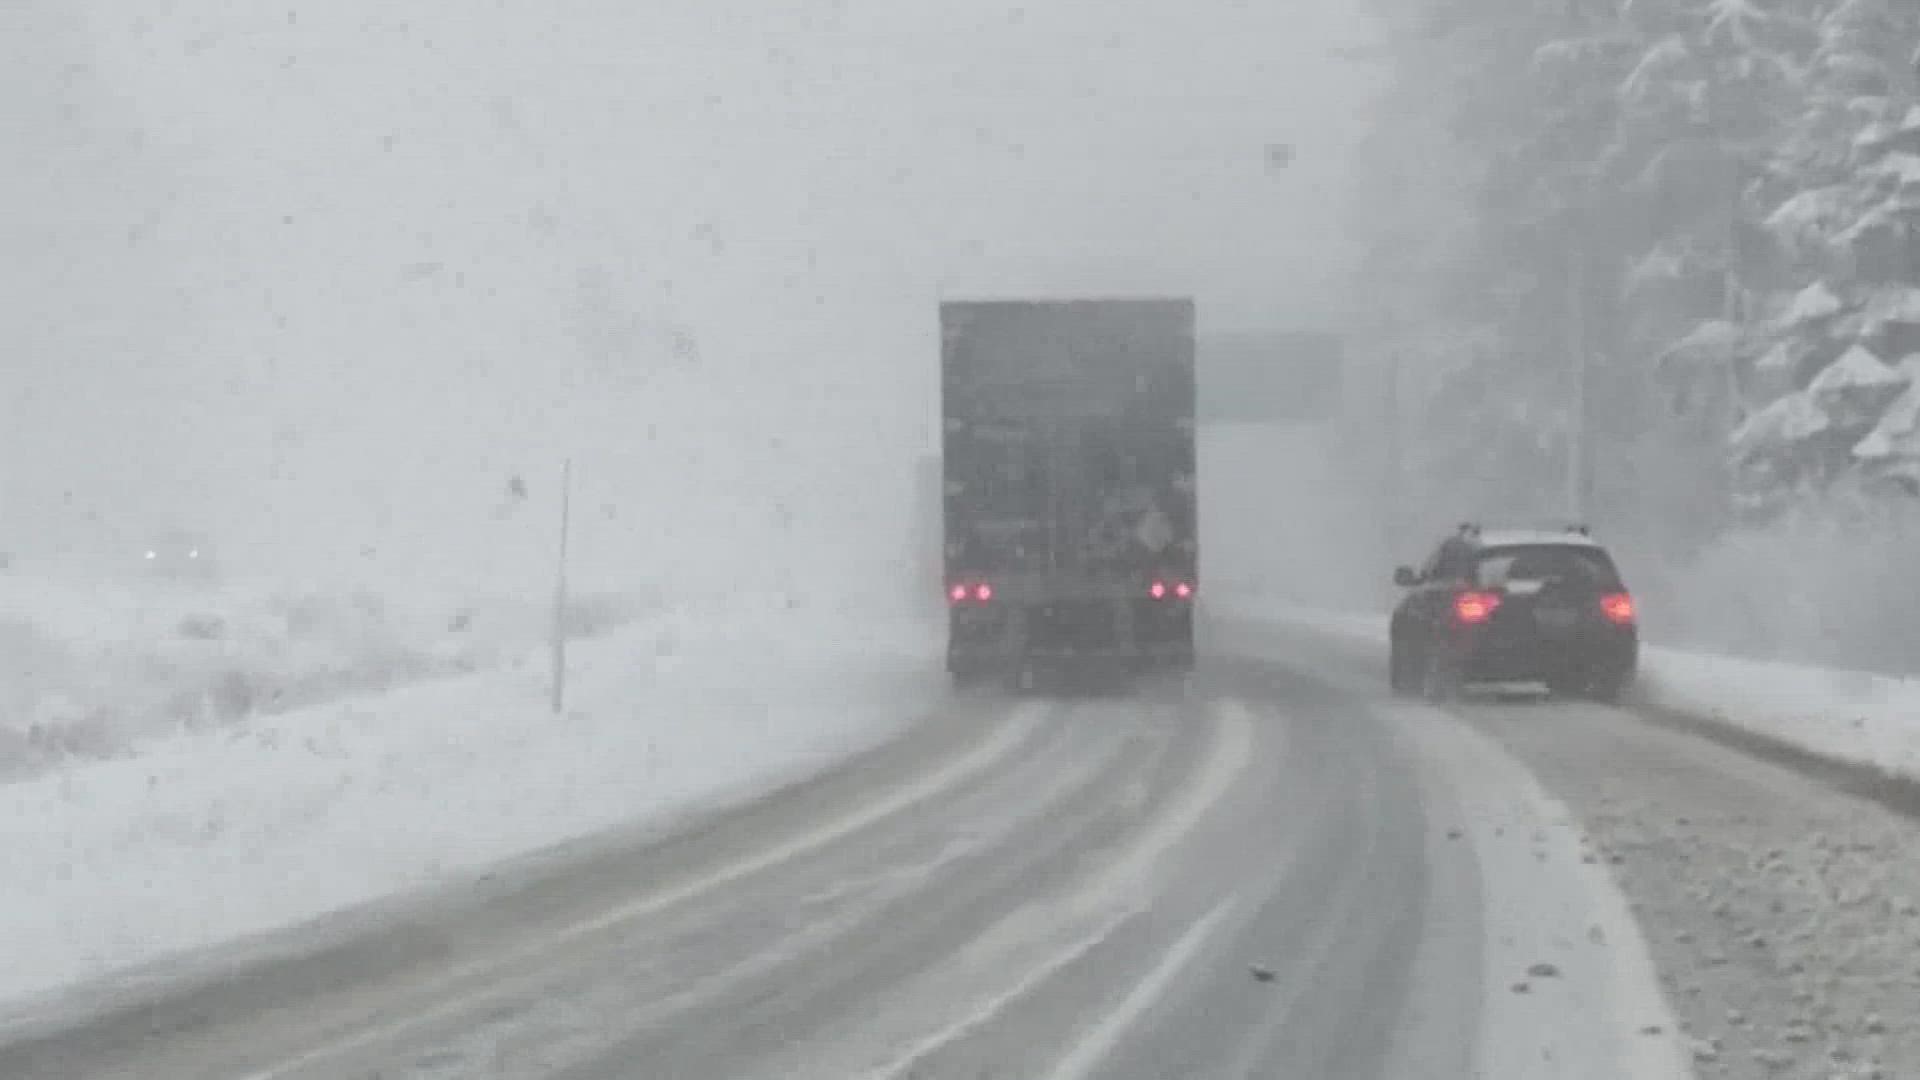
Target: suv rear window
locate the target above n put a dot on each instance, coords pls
(1496, 566)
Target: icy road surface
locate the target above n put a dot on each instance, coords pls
(1270, 876)
(1782, 908)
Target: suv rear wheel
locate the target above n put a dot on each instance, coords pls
(1440, 677)
(1403, 670)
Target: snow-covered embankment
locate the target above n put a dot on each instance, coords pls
(91, 667)
(203, 836)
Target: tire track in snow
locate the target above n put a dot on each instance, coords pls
(457, 988)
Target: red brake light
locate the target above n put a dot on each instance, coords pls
(1618, 608)
(1183, 590)
(1473, 608)
(983, 592)
(1157, 590)
(957, 594)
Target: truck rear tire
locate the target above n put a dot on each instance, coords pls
(971, 671)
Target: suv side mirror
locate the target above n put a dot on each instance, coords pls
(1405, 577)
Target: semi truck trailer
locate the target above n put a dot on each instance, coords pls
(1068, 468)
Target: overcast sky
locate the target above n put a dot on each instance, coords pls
(319, 277)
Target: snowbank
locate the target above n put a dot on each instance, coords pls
(211, 835)
(89, 665)
(1850, 716)
(1853, 716)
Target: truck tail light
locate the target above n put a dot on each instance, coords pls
(965, 592)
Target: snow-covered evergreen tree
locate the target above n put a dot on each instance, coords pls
(1718, 199)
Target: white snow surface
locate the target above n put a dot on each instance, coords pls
(1793, 419)
(1898, 432)
(1858, 367)
(1710, 342)
(91, 664)
(1811, 304)
(1854, 389)
(209, 836)
(1875, 136)
(1903, 168)
(1857, 717)
(1894, 304)
(1595, 1009)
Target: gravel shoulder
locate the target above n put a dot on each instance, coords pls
(1784, 917)
(1782, 912)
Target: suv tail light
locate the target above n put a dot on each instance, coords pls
(1618, 608)
(1474, 608)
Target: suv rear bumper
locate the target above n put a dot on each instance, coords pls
(1606, 655)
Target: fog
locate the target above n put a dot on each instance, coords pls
(321, 280)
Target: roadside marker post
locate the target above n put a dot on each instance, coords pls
(560, 593)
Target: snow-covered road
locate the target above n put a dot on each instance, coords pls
(1275, 875)
(1781, 911)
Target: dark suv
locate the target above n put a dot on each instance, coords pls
(1514, 607)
